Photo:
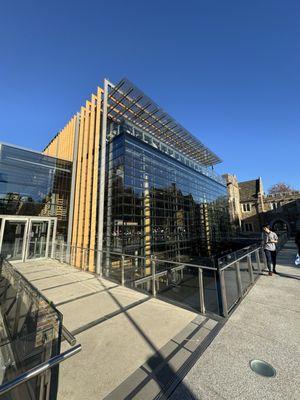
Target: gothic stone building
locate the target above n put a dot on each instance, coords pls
(250, 207)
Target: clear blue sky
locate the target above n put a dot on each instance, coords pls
(229, 71)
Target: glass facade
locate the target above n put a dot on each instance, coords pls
(157, 204)
(34, 184)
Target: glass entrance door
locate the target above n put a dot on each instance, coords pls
(37, 239)
(13, 242)
(23, 238)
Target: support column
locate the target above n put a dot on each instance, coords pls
(102, 180)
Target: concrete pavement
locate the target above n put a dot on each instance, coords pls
(266, 325)
(120, 329)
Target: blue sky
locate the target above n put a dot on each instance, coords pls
(226, 70)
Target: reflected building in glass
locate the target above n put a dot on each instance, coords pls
(160, 202)
(33, 184)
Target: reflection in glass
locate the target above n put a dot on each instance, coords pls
(34, 184)
(157, 205)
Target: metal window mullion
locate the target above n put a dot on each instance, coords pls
(153, 272)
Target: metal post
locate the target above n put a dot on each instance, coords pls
(250, 268)
(223, 294)
(153, 276)
(61, 250)
(45, 377)
(17, 309)
(239, 279)
(122, 270)
(201, 291)
(102, 180)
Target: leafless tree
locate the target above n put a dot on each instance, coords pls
(280, 187)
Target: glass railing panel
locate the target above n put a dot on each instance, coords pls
(135, 268)
(112, 266)
(254, 264)
(180, 285)
(30, 328)
(231, 286)
(23, 354)
(144, 285)
(245, 274)
(211, 297)
(226, 259)
(262, 258)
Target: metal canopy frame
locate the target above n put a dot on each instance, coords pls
(127, 102)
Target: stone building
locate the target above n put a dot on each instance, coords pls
(234, 200)
(250, 207)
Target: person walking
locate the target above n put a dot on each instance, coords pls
(269, 244)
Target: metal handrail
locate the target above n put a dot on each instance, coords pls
(178, 263)
(177, 266)
(39, 369)
(186, 264)
(133, 256)
(71, 339)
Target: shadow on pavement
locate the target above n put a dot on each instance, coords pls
(289, 276)
(159, 369)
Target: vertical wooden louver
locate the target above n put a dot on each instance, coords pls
(62, 146)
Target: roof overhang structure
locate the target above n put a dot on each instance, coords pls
(127, 102)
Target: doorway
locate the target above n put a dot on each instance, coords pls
(23, 238)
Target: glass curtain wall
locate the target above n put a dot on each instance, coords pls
(34, 184)
(157, 205)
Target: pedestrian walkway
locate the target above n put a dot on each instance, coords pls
(131, 342)
(266, 325)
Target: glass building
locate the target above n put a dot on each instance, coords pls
(34, 201)
(159, 202)
(122, 176)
